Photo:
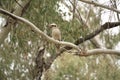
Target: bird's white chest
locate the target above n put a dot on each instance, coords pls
(56, 34)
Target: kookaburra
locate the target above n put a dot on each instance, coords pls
(56, 34)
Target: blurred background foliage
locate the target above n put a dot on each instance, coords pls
(17, 53)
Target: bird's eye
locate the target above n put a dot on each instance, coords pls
(53, 25)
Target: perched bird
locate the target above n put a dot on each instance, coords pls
(56, 33)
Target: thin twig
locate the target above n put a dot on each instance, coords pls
(100, 5)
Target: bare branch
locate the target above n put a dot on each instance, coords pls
(38, 30)
(100, 5)
(100, 51)
(103, 27)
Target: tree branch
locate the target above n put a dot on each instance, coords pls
(100, 5)
(103, 27)
(100, 51)
(38, 30)
(40, 64)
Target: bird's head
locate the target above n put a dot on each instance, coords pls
(52, 25)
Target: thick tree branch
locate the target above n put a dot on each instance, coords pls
(100, 5)
(40, 64)
(100, 51)
(103, 27)
(38, 30)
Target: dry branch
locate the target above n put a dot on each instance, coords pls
(100, 5)
(100, 51)
(103, 27)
